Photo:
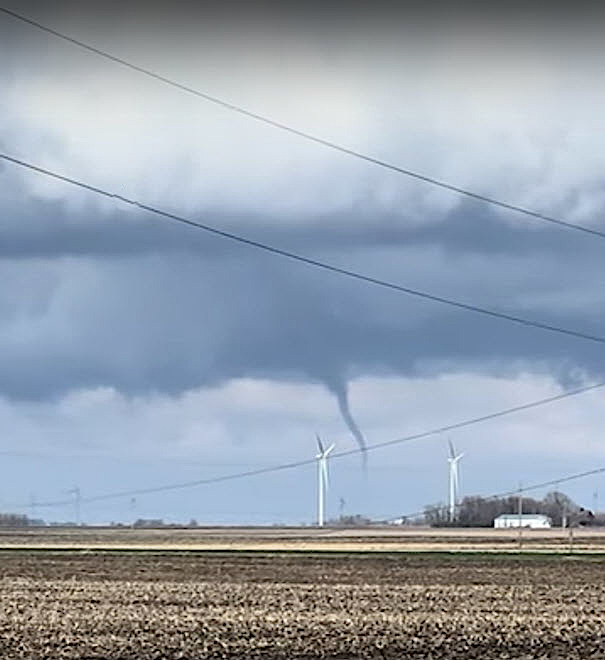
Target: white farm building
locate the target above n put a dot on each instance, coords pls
(532, 520)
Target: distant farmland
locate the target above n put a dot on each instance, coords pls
(276, 539)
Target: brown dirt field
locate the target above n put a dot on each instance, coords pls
(184, 605)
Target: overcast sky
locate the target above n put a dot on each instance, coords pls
(136, 353)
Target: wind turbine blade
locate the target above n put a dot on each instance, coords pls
(329, 449)
(451, 447)
(321, 447)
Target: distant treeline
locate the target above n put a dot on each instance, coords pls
(355, 520)
(475, 511)
(18, 520)
(157, 523)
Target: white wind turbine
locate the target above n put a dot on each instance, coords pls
(322, 480)
(454, 482)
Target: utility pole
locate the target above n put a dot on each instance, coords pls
(520, 516)
(564, 516)
(570, 522)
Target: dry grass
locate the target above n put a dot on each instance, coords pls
(186, 606)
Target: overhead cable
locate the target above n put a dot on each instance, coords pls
(341, 454)
(517, 491)
(309, 261)
(309, 136)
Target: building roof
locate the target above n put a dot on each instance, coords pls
(524, 516)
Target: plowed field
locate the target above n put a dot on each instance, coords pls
(139, 606)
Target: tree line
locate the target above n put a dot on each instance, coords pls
(18, 520)
(476, 511)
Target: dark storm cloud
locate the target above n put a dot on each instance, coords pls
(35, 227)
(342, 12)
(169, 309)
(366, 26)
(103, 296)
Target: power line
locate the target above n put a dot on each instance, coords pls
(308, 136)
(476, 420)
(510, 493)
(296, 464)
(304, 259)
(351, 152)
(552, 482)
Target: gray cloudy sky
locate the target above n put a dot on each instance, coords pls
(136, 353)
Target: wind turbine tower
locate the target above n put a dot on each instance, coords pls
(75, 491)
(454, 481)
(322, 480)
